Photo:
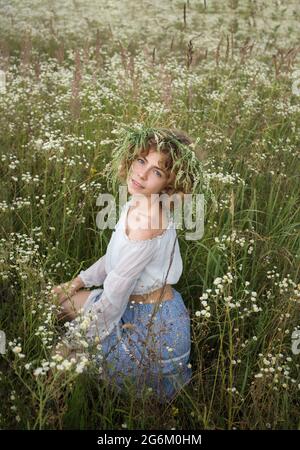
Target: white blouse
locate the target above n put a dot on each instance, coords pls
(131, 267)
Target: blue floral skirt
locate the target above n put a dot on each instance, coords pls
(152, 350)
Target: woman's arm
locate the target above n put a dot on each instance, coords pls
(119, 284)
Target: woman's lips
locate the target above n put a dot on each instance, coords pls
(136, 184)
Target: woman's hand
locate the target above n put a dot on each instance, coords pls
(66, 290)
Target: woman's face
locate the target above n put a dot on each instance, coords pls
(148, 172)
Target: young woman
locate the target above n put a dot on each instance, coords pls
(139, 317)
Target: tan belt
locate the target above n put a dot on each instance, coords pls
(160, 294)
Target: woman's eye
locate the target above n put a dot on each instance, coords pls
(139, 159)
(158, 173)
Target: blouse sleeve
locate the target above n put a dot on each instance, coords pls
(118, 286)
(95, 274)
